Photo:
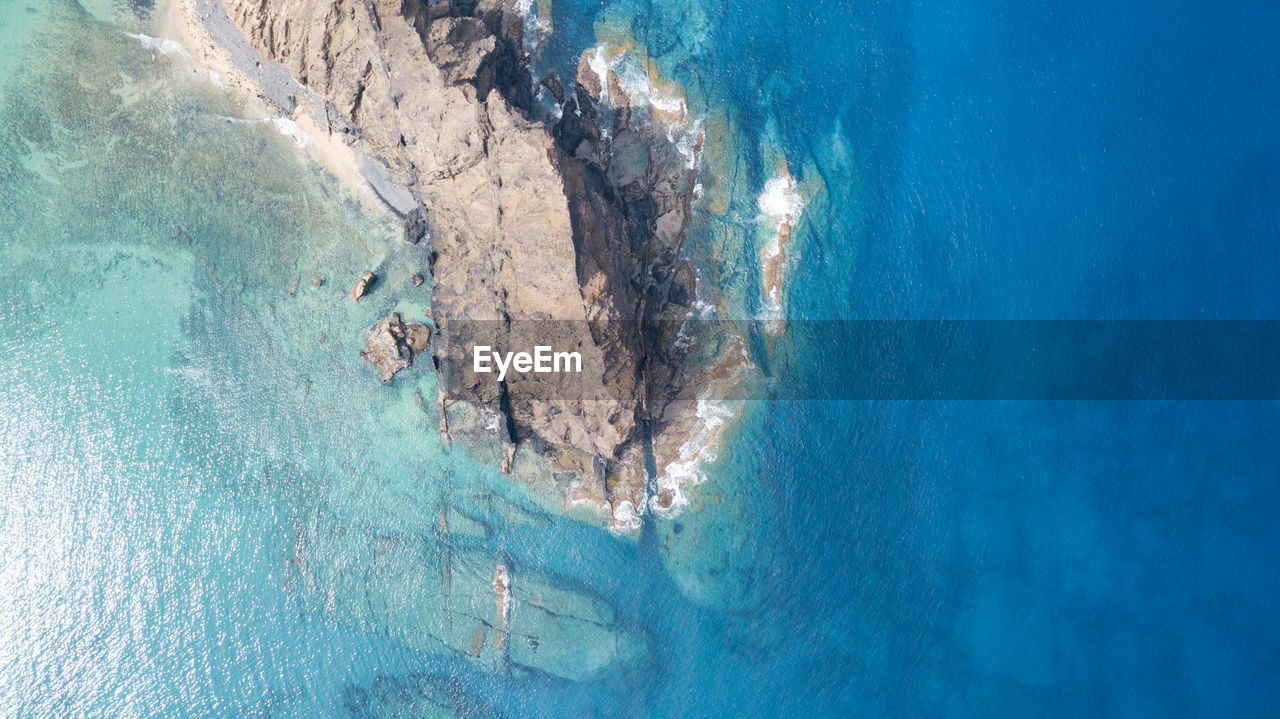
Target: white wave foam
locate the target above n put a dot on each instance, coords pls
(625, 518)
(172, 48)
(159, 45)
(664, 97)
(599, 64)
(700, 310)
(702, 447)
(686, 139)
(780, 201)
(290, 129)
(703, 444)
(634, 80)
(536, 27)
(780, 206)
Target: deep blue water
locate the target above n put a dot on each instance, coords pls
(1004, 160)
(960, 161)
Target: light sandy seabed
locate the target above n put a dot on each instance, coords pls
(191, 23)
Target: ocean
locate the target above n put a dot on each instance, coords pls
(209, 508)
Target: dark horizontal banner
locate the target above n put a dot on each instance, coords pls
(925, 360)
(1033, 360)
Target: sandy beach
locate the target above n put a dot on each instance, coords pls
(265, 91)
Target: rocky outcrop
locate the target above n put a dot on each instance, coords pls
(362, 285)
(416, 226)
(566, 234)
(391, 345)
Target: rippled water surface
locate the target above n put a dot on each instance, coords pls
(209, 507)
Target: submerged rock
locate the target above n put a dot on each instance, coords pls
(436, 595)
(418, 696)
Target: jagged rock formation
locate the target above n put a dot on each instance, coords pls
(391, 345)
(568, 236)
(416, 226)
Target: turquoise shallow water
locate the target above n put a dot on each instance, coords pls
(146, 501)
(209, 507)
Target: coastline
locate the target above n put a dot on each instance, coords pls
(266, 92)
(626, 80)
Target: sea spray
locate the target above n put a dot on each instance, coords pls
(780, 207)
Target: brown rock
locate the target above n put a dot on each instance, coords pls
(391, 345)
(530, 242)
(361, 287)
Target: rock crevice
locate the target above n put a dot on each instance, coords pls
(565, 233)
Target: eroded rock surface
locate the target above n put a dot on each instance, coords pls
(567, 235)
(391, 345)
(417, 227)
